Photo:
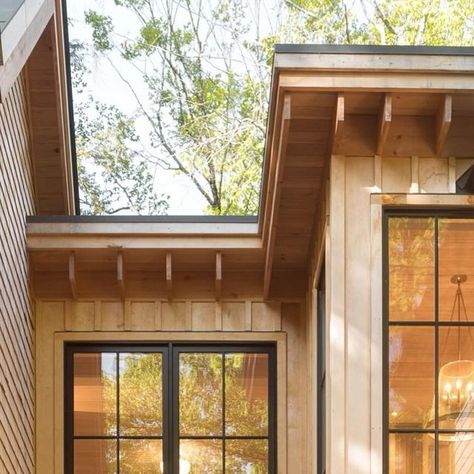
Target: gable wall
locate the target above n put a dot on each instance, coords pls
(16, 325)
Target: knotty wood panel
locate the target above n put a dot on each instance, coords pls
(16, 326)
(185, 320)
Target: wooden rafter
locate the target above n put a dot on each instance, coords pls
(443, 122)
(120, 275)
(338, 123)
(72, 275)
(280, 165)
(169, 276)
(385, 120)
(218, 275)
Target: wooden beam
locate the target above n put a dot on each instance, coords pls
(143, 242)
(338, 123)
(385, 120)
(280, 165)
(72, 275)
(169, 276)
(120, 275)
(374, 81)
(443, 122)
(218, 275)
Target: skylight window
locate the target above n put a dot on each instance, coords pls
(170, 102)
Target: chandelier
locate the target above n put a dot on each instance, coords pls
(456, 378)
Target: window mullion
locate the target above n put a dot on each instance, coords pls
(117, 408)
(436, 348)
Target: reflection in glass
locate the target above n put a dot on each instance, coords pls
(246, 394)
(144, 456)
(411, 269)
(456, 246)
(456, 378)
(411, 453)
(244, 456)
(95, 382)
(141, 387)
(200, 394)
(95, 456)
(457, 456)
(203, 456)
(411, 376)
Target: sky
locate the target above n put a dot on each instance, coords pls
(103, 83)
(262, 18)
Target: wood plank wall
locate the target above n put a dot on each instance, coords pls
(16, 325)
(354, 294)
(190, 316)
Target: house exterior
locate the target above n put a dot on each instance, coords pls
(338, 321)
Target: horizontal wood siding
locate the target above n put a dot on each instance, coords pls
(16, 325)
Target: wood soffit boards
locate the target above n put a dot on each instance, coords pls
(313, 114)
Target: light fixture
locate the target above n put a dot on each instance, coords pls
(456, 378)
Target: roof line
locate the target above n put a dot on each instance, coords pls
(374, 49)
(143, 219)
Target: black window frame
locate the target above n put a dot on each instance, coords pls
(170, 435)
(416, 212)
(321, 372)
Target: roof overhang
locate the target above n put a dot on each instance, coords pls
(328, 100)
(325, 100)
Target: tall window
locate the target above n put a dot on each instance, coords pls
(429, 343)
(170, 409)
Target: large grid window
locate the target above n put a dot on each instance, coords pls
(429, 343)
(170, 409)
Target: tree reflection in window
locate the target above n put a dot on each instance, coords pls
(122, 418)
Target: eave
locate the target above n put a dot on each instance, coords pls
(324, 101)
(352, 101)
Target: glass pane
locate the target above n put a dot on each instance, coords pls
(95, 382)
(200, 394)
(143, 456)
(95, 456)
(203, 456)
(456, 247)
(141, 394)
(411, 268)
(411, 377)
(246, 394)
(246, 456)
(411, 453)
(456, 378)
(456, 453)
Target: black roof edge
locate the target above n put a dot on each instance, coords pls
(373, 49)
(78, 219)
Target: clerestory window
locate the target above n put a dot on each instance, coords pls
(165, 408)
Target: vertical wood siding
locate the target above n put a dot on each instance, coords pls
(16, 324)
(119, 320)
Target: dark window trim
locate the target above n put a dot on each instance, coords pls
(321, 372)
(170, 435)
(437, 213)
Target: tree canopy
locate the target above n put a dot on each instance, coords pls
(194, 82)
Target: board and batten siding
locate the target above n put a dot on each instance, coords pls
(359, 186)
(16, 322)
(191, 320)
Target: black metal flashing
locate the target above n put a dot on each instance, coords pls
(82, 219)
(70, 107)
(373, 49)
